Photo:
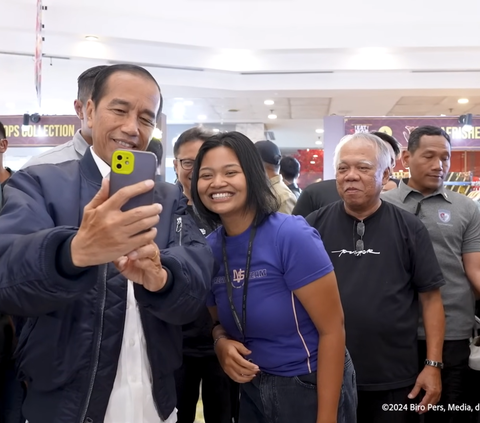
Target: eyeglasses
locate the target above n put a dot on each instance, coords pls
(360, 246)
(187, 164)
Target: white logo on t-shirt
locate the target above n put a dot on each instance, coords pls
(355, 253)
(238, 276)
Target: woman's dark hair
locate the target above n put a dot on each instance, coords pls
(259, 194)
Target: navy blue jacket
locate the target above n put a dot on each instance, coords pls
(72, 326)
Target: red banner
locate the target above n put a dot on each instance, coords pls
(49, 132)
(401, 127)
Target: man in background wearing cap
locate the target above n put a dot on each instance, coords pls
(271, 157)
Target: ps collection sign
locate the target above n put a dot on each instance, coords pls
(49, 132)
(401, 128)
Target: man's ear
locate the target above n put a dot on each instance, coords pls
(406, 155)
(78, 106)
(3, 146)
(90, 113)
(386, 176)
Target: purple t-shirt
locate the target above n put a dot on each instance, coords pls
(287, 255)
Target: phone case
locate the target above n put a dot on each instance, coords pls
(135, 166)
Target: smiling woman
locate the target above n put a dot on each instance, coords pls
(292, 339)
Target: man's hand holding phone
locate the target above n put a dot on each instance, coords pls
(107, 234)
(144, 267)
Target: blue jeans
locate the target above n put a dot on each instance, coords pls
(278, 399)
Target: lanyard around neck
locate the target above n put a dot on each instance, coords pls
(241, 323)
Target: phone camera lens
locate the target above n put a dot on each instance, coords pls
(119, 157)
(119, 166)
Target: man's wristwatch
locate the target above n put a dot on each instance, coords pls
(437, 364)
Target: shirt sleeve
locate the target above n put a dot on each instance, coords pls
(427, 274)
(211, 300)
(471, 237)
(302, 253)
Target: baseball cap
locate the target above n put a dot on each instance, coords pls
(269, 151)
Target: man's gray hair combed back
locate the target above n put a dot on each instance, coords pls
(383, 153)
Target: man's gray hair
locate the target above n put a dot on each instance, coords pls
(383, 153)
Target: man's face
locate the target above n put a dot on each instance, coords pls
(429, 164)
(359, 179)
(183, 163)
(81, 110)
(124, 118)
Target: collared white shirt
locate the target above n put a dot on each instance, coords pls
(131, 399)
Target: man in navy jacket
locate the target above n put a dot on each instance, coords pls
(101, 294)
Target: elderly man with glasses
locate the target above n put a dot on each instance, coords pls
(387, 272)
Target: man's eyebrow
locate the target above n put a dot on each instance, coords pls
(120, 102)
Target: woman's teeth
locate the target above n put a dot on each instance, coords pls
(221, 195)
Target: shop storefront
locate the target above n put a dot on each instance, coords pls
(464, 173)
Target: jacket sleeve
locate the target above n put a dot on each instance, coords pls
(190, 264)
(30, 281)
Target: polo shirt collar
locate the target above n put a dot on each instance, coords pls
(406, 190)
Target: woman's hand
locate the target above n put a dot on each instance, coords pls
(231, 356)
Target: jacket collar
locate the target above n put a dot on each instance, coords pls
(79, 143)
(89, 168)
(406, 190)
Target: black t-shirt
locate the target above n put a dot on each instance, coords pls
(379, 289)
(197, 336)
(316, 196)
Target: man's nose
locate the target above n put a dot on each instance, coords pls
(352, 173)
(130, 125)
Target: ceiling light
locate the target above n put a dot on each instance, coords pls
(318, 142)
(319, 131)
(462, 100)
(201, 117)
(272, 116)
(315, 156)
(443, 115)
(312, 162)
(91, 38)
(216, 130)
(269, 102)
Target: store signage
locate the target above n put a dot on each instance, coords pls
(400, 128)
(50, 131)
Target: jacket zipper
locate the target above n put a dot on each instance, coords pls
(179, 229)
(83, 415)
